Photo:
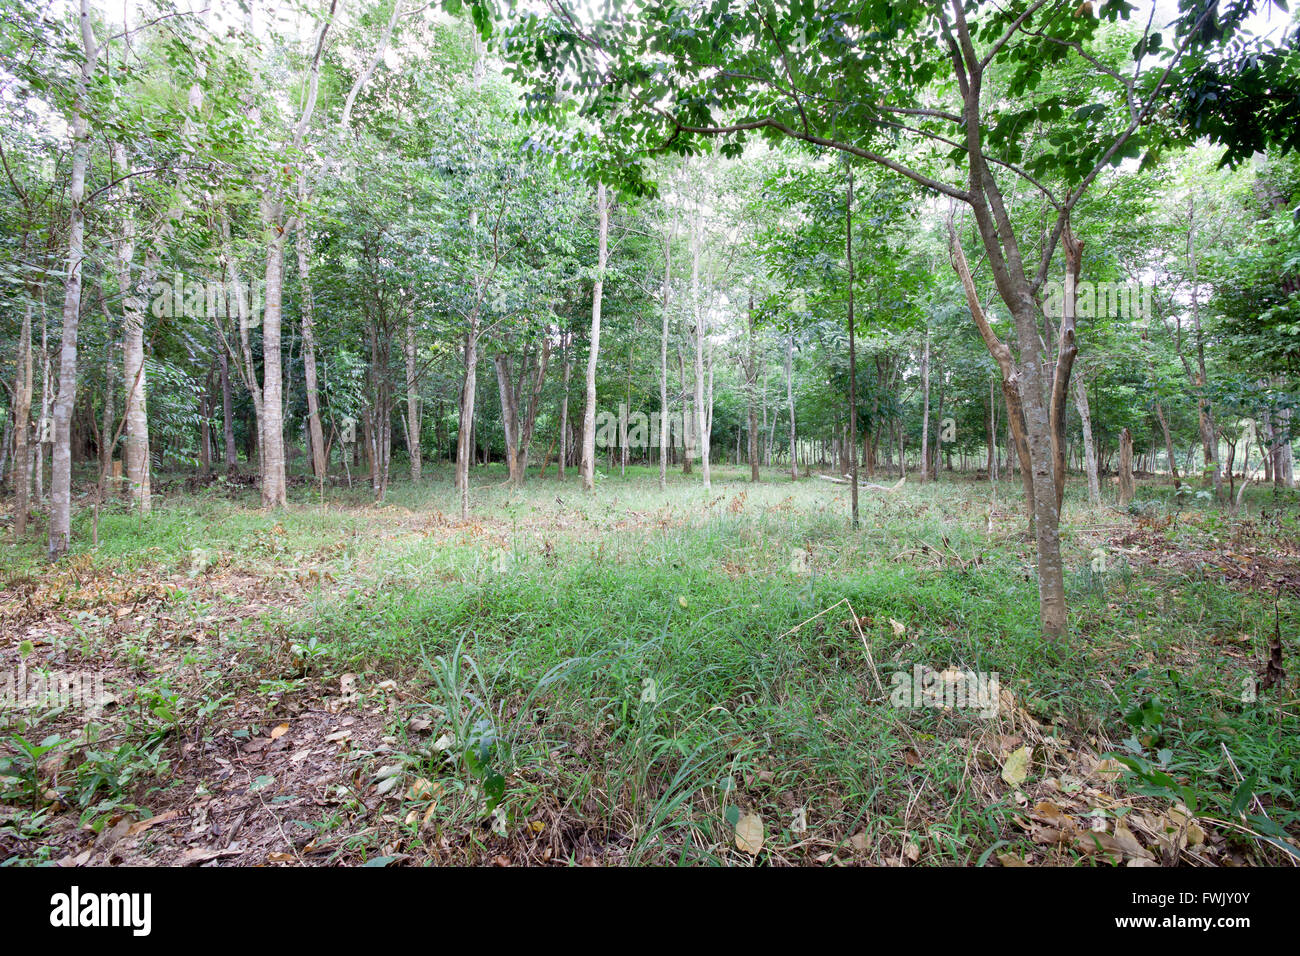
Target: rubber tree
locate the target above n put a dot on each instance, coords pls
(65, 398)
(588, 466)
(879, 83)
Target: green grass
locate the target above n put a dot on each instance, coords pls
(636, 664)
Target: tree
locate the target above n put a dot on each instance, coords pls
(61, 484)
(593, 351)
(869, 84)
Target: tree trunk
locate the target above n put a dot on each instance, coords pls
(1204, 412)
(465, 433)
(22, 468)
(701, 412)
(534, 403)
(925, 409)
(413, 423)
(593, 353)
(1035, 417)
(663, 363)
(205, 426)
(1125, 468)
(991, 460)
(852, 443)
(135, 450)
(307, 321)
(567, 340)
(1169, 444)
(61, 472)
(509, 416)
(752, 381)
(107, 437)
(230, 455)
(1089, 448)
(274, 488)
(789, 400)
(688, 416)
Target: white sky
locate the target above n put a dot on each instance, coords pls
(1267, 22)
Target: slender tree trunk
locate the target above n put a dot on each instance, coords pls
(534, 405)
(107, 429)
(307, 321)
(853, 359)
(991, 461)
(465, 435)
(278, 226)
(244, 364)
(789, 400)
(136, 443)
(1035, 414)
(274, 489)
(231, 455)
(1125, 468)
(567, 341)
(1169, 444)
(1205, 414)
(701, 411)
(205, 427)
(752, 377)
(22, 421)
(1089, 448)
(593, 353)
(663, 363)
(688, 416)
(925, 408)
(61, 473)
(1280, 446)
(413, 424)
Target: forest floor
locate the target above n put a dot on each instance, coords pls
(652, 677)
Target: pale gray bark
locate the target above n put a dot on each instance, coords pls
(567, 340)
(61, 471)
(663, 363)
(464, 437)
(22, 469)
(307, 321)
(412, 403)
(1125, 468)
(789, 400)
(1089, 447)
(925, 408)
(702, 410)
(593, 354)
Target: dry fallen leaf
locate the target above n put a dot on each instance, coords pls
(1050, 813)
(1108, 769)
(143, 825)
(200, 854)
(1129, 843)
(423, 789)
(279, 732)
(749, 834)
(1016, 767)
